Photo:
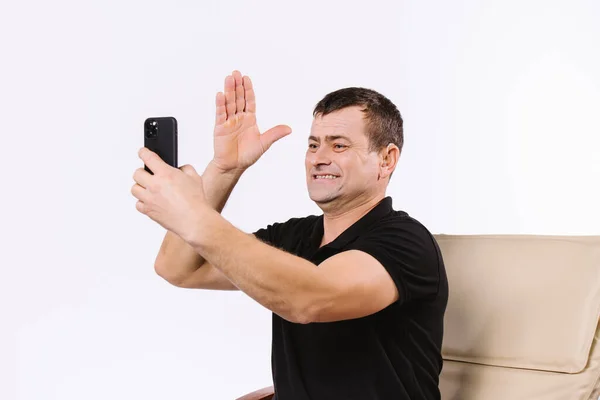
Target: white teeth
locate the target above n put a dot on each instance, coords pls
(325, 176)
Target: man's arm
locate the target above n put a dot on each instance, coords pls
(238, 144)
(177, 262)
(349, 285)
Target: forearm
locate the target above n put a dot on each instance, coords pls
(290, 286)
(177, 260)
(218, 185)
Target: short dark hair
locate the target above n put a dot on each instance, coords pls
(383, 119)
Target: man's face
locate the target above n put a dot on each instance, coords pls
(339, 166)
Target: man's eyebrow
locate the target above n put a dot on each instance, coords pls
(329, 138)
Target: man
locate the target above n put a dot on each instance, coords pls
(358, 293)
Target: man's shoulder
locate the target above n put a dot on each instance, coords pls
(401, 222)
(399, 234)
(409, 252)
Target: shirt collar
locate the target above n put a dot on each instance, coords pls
(383, 208)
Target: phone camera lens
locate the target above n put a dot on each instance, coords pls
(152, 128)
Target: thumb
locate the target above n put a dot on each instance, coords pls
(274, 134)
(189, 170)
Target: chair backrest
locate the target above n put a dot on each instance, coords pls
(522, 321)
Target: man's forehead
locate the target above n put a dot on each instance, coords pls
(346, 121)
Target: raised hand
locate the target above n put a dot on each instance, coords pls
(238, 142)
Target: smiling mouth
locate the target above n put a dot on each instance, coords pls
(324, 177)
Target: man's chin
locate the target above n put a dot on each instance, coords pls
(322, 198)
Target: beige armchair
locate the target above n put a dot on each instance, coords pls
(523, 318)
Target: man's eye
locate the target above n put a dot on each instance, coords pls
(312, 146)
(339, 146)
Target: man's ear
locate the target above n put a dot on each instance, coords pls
(389, 159)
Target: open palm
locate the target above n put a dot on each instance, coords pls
(238, 142)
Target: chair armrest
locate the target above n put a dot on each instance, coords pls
(261, 394)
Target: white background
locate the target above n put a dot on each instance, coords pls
(501, 104)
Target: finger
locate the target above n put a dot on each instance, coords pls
(274, 134)
(249, 95)
(221, 110)
(153, 161)
(139, 192)
(142, 177)
(230, 96)
(240, 102)
(192, 173)
(141, 206)
(189, 170)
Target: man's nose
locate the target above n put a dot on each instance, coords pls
(321, 156)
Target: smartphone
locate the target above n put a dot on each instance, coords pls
(160, 136)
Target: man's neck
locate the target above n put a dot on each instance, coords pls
(334, 223)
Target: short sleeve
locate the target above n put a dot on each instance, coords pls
(407, 251)
(279, 234)
(265, 234)
(271, 234)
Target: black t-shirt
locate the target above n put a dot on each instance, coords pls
(392, 354)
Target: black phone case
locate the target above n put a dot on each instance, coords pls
(160, 136)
